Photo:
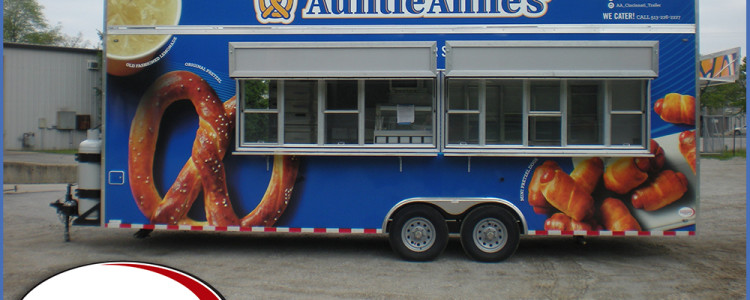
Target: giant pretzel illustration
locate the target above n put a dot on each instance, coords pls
(205, 169)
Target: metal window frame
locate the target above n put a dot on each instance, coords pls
(278, 111)
(439, 104)
(644, 112)
(561, 113)
(359, 112)
(418, 60)
(606, 149)
(323, 148)
(602, 99)
(479, 111)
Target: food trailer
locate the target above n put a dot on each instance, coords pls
(489, 119)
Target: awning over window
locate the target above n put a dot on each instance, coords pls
(332, 59)
(602, 59)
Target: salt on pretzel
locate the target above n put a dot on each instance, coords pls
(205, 169)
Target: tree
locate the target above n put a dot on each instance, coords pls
(75, 41)
(24, 22)
(731, 94)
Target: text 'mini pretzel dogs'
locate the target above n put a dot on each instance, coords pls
(205, 169)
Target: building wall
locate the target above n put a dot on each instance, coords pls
(39, 82)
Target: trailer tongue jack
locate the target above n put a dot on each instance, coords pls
(67, 211)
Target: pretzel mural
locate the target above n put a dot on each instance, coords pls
(205, 169)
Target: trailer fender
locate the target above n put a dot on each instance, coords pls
(457, 206)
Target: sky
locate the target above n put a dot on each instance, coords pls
(722, 23)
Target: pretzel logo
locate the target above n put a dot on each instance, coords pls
(205, 169)
(275, 11)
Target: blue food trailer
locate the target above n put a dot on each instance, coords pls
(418, 119)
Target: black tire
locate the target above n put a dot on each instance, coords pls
(489, 234)
(418, 233)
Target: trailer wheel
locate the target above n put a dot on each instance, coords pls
(418, 233)
(489, 234)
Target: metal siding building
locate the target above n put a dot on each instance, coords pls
(51, 96)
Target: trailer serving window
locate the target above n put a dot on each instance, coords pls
(337, 112)
(537, 97)
(546, 113)
(350, 98)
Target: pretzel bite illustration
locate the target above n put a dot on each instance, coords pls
(536, 197)
(657, 162)
(668, 187)
(687, 147)
(676, 108)
(560, 221)
(616, 216)
(562, 192)
(626, 173)
(587, 173)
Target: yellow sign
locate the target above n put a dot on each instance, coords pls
(722, 66)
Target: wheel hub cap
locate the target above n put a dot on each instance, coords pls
(418, 234)
(489, 235)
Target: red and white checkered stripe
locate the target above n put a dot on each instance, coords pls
(114, 224)
(241, 229)
(610, 233)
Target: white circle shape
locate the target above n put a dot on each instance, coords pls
(122, 280)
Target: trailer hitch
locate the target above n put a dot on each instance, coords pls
(67, 210)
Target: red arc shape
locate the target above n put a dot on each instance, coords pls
(198, 288)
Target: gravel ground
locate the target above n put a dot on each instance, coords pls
(710, 265)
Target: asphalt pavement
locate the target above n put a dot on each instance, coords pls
(710, 265)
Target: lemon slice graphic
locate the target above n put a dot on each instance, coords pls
(137, 48)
